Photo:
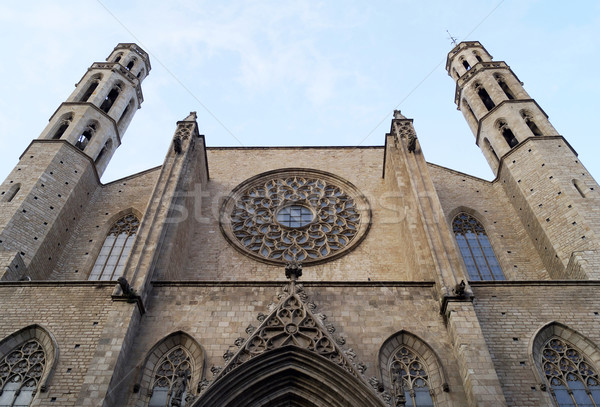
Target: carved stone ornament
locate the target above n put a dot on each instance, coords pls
(290, 324)
(295, 216)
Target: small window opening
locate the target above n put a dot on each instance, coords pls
(508, 135)
(489, 147)
(140, 73)
(118, 58)
(106, 148)
(109, 100)
(130, 64)
(455, 72)
(12, 192)
(470, 113)
(477, 56)
(466, 64)
(64, 125)
(85, 137)
(580, 187)
(531, 124)
(505, 88)
(127, 109)
(90, 90)
(485, 97)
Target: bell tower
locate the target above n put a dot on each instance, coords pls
(42, 198)
(552, 192)
(97, 113)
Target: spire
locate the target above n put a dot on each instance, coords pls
(398, 115)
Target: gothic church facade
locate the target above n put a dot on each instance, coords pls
(362, 276)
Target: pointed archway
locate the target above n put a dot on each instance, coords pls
(288, 376)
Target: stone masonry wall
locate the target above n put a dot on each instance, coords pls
(511, 313)
(76, 314)
(487, 201)
(377, 257)
(108, 204)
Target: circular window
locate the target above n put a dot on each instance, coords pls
(295, 215)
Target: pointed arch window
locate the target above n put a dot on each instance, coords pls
(86, 136)
(485, 97)
(476, 249)
(572, 379)
(109, 100)
(171, 379)
(117, 245)
(509, 94)
(20, 373)
(410, 380)
(91, 88)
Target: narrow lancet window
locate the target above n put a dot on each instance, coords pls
(127, 110)
(485, 97)
(21, 370)
(109, 100)
(470, 114)
(130, 64)
(477, 56)
(90, 90)
(118, 57)
(508, 135)
(64, 125)
(115, 250)
(530, 123)
(466, 64)
(572, 379)
(86, 136)
(509, 94)
(102, 153)
(489, 147)
(476, 249)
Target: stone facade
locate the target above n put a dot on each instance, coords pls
(198, 321)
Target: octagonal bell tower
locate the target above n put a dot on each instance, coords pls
(97, 113)
(42, 199)
(551, 191)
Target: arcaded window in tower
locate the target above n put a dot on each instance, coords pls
(573, 381)
(127, 109)
(485, 97)
(465, 64)
(64, 125)
(410, 380)
(107, 147)
(528, 117)
(171, 379)
(489, 147)
(86, 136)
(20, 373)
(470, 114)
(109, 100)
(507, 133)
(476, 249)
(91, 88)
(509, 94)
(130, 64)
(477, 56)
(118, 57)
(115, 250)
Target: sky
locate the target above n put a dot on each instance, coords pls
(298, 73)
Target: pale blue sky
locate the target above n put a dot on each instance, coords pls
(298, 72)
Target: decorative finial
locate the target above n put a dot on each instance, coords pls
(399, 115)
(451, 38)
(293, 271)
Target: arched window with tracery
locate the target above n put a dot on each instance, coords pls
(410, 381)
(171, 379)
(21, 371)
(476, 249)
(115, 250)
(573, 381)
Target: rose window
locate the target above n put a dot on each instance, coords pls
(295, 215)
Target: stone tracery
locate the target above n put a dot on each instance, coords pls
(295, 216)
